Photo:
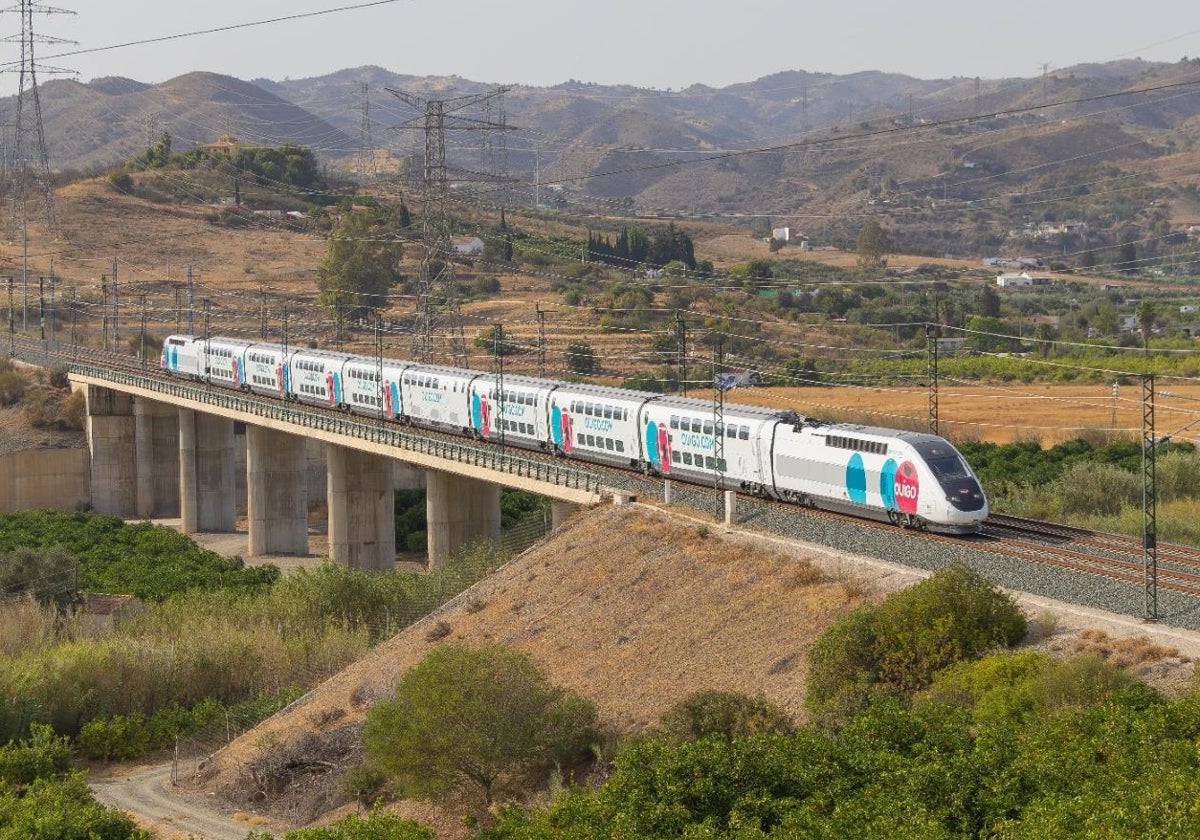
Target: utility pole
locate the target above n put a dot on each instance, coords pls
(191, 303)
(436, 280)
(29, 132)
(719, 424)
(541, 320)
(142, 336)
(931, 338)
(116, 310)
(498, 347)
(1149, 502)
(681, 352)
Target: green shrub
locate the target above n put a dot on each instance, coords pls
(898, 647)
(42, 755)
(722, 714)
(117, 738)
(954, 614)
(1091, 489)
(377, 826)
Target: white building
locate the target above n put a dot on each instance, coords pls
(1009, 279)
(470, 247)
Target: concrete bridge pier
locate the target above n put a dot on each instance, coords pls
(459, 511)
(276, 494)
(207, 473)
(156, 431)
(112, 442)
(560, 512)
(362, 521)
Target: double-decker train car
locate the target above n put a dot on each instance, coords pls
(598, 423)
(518, 412)
(912, 479)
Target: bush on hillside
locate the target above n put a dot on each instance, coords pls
(722, 714)
(897, 648)
(480, 722)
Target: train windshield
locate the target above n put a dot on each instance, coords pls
(951, 471)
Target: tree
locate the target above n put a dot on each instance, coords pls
(989, 301)
(485, 718)
(360, 266)
(1146, 315)
(872, 245)
(580, 358)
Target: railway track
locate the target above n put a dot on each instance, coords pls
(1080, 551)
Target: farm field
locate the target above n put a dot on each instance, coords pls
(1047, 413)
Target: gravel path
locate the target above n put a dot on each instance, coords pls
(148, 795)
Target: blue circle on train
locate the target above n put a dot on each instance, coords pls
(652, 443)
(476, 417)
(856, 479)
(556, 425)
(887, 485)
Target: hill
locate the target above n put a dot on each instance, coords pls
(964, 166)
(631, 607)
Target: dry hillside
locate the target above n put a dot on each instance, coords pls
(634, 608)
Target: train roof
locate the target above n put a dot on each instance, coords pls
(785, 415)
(606, 391)
(914, 438)
(523, 381)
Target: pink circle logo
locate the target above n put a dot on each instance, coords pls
(907, 487)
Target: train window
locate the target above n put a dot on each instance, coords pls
(696, 424)
(687, 458)
(676, 457)
(674, 422)
(731, 431)
(608, 444)
(709, 463)
(591, 441)
(708, 427)
(580, 439)
(608, 412)
(721, 465)
(743, 433)
(620, 446)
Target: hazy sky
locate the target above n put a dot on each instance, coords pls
(649, 43)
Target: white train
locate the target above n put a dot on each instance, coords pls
(913, 479)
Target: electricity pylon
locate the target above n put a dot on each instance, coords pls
(435, 303)
(30, 158)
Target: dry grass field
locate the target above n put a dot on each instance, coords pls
(1049, 413)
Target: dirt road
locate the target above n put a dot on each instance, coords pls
(147, 796)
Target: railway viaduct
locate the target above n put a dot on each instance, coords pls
(164, 447)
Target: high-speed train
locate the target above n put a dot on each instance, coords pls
(912, 479)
